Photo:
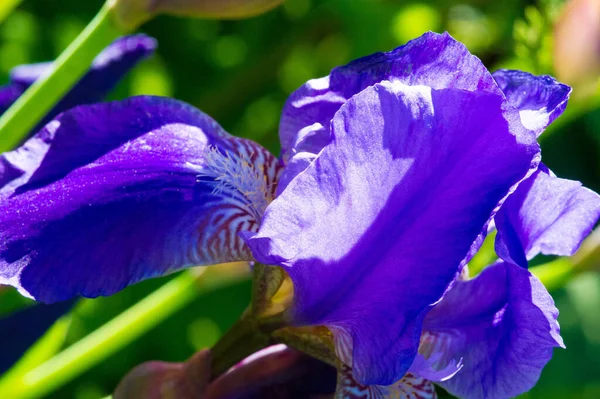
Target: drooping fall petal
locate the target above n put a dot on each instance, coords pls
(110, 194)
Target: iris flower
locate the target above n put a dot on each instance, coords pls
(23, 328)
(393, 170)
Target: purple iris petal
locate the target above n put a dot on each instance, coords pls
(545, 215)
(434, 60)
(407, 168)
(539, 99)
(107, 69)
(502, 325)
(110, 194)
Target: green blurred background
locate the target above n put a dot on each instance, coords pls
(241, 72)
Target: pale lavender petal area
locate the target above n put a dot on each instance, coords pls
(106, 71)
(434, 60)
(502, 326)
(110, 194)
(539, 99)
(545, 215)
(408, 167)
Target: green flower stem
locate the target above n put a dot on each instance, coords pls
(247, 336)
(120, 331)
(266, 280)
(6, 7)
(39, 99)
(242, 340)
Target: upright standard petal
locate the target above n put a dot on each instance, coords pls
(545, 215)
(107, 69)
(110, 194)
(539, 99)
(434, 60)
(375, 229)
(501, 326)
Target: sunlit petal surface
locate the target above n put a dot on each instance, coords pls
(376, 228)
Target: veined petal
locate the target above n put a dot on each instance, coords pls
(107, 69)
(409, 387)
(375, 229)
(110, 194)
(545, 215)
(539, 99)
(502, 325)
(434, 60)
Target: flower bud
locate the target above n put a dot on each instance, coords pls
(577, 45)
(161, 380)
(131, 13)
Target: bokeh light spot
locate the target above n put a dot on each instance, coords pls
(332, 51)
(414, 20)
(20, 26)
(261, 117)
(297, 68)
(229, 51)
(151, 78)
(203, 333)
(296, 9)
(471, 27)
(203, 30)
